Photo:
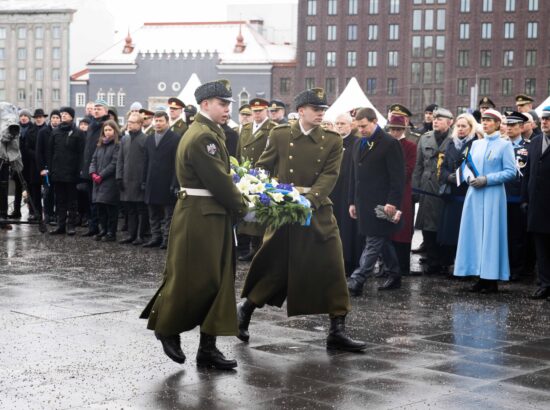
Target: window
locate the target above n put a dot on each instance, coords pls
(507, 86)
(56, 74)
(310, 58)
(121, 98)
(417, 20)
(428, 46)
(440, 46)
(373, 7)
(428, 78)
(2, 53)
(533, 5)
(487, 6)
(80, 99)
(530, 86)
(284, 85)
(330, 85)
(438, 96)
(56, 94)
(2, 74)
(531, 58)
(427, 96)
(56, 53)
(393, 58)
(311, 33)
(417, 46)
(371, 58)
(462, 88)
(392, 86)
(484, 84)
(463, 58)
(439, 73)
(352, 7)
(39, 32)
(38, 74)
(21, 53)
(416, 99)
(331, 58)
(332, 10)
(429, 20)
(351, 59)
(311, 7)
(461, 110)
(244, 97)
(21, 94)
(416, 74)
(56, 31)
(373, 32)
(394, 6)
(21, 74)
(39, 94)
(509, 30)
(464, 6)
(440, 20)
(111, 98)
(22, 33)
(464, 31)
(485, 58)
(371, 86)
(38, 53)
(310, 82)
(508, 58)
(352, 32)
(331, 33)
(394, 32)
(532, 29)
(486, 30)
(101, 96)
(510, 5)
(2, 33)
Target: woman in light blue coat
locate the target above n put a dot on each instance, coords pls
(482, 244)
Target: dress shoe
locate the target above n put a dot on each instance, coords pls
(110, 237)
(99, 235)
(32, 218)
(540, 293)
(137, 241)
(244, 314)
(337, 338)
(15, 215)
(90, 232)
(164, 245)
(355, 288)
(420, 249)
(60, 230)
(124, 228)
(127, 240)
(71, 230)
(391, 283)
(153, 243)
(484, 286)
(208, 354)
(172, 347)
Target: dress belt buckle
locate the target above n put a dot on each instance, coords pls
(182, 194)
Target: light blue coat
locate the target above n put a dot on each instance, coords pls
(482, 243)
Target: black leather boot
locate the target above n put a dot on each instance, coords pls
(60, 229)
(337, 338)
(208, 354)
(172, 347)
(244, 314)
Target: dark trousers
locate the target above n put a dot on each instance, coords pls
(403, 252)
(92, 209)
(433, 249)
(137, 219)
(374, 247)
(4, 185)
(35, 192)
(160, 217)
(65, 202)
(517, 239)
(49, 200)
(108, 217)
(17, 193)
(542, 246)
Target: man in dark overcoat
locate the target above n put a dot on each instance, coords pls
(199, 276)
(377, 178)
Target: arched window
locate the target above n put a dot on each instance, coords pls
(244, 97)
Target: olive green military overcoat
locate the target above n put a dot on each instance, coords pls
(198, 286)
(179, 127)
(303, 264)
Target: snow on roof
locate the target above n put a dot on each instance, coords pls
(7, 6)
(220, 37)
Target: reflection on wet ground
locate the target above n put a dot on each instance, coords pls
(71, 338)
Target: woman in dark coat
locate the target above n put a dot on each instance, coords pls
(105, 192)
(463, 137)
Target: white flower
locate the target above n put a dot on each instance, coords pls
(277, 197)
(244, 186)
(295, 195)
(257, 188)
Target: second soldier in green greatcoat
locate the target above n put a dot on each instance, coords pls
(198, 285)
(303, 264)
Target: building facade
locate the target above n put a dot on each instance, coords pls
(417, 52)
(34, 55)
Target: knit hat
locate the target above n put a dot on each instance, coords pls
(55, 112)
(68, 110)
(136, 106)
(25, 112)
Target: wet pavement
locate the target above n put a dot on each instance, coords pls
(70, 337)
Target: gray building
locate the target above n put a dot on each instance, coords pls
(34, 54)
(158, 60)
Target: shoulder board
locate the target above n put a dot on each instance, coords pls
(331, 132)
(246, 126)
(273, 124)
(281, 126)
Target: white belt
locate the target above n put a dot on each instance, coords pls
(303, 189)
(195, 192)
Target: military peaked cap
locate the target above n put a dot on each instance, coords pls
(443, 113)
(399, 109)
(523, 99)
(276, 105)
(258, 104)
(514, 117)
(486, 102)
(175, 103)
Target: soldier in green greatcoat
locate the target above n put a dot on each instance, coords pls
(177, 123)
(198, 285)
(252, 142)
(303, 264)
